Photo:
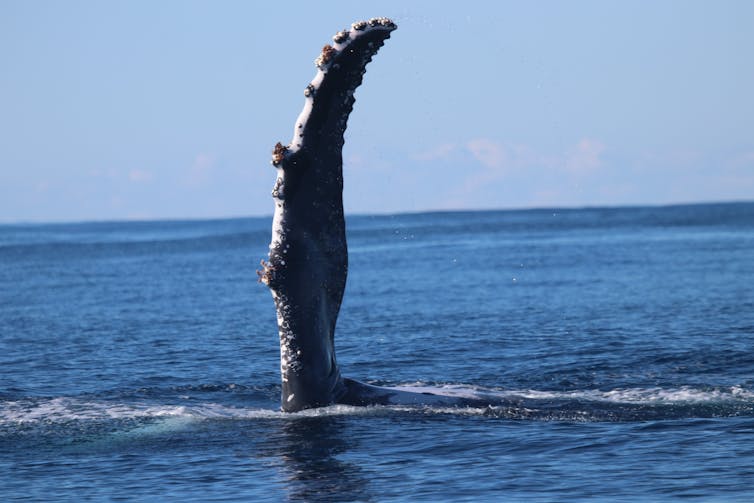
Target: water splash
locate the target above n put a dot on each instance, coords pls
(629, 404)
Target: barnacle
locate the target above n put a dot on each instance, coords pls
(340, 37)
(267, 273)
(328, 52)
(277, 190)
(278, 153)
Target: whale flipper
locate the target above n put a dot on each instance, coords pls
(308, 259)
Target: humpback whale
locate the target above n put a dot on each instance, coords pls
(308, 258)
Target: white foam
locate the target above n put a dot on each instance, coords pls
(649, 395)
(65, 409)
(684, 394)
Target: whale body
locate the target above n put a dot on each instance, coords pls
(308, 258)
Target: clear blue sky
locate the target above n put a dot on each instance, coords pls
(141, 109)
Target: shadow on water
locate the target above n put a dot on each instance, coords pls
(309, 451)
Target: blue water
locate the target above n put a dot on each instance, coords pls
(140, 360)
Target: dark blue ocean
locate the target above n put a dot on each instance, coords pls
(140, 360)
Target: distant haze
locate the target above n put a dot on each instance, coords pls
(135, 110)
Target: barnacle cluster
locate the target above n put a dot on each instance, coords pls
(267, 273)
(328, 52)
(374, 22)
(277, 190)
(278, 153)
(340, 37)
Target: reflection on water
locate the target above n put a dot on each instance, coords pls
(310, 452)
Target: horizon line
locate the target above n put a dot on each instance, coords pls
(75, 221)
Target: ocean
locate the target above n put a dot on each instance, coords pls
(140, 360)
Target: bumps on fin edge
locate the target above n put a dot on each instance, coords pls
(340, 37)
(278, 153)
(328, 52)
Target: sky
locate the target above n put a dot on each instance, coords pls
(170, 109)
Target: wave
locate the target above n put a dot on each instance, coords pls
(655, 395)
(631, 404)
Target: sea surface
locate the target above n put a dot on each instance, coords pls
(140, 360)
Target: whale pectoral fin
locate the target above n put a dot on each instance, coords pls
(342, 68)
(308, 260)
(314, 155)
